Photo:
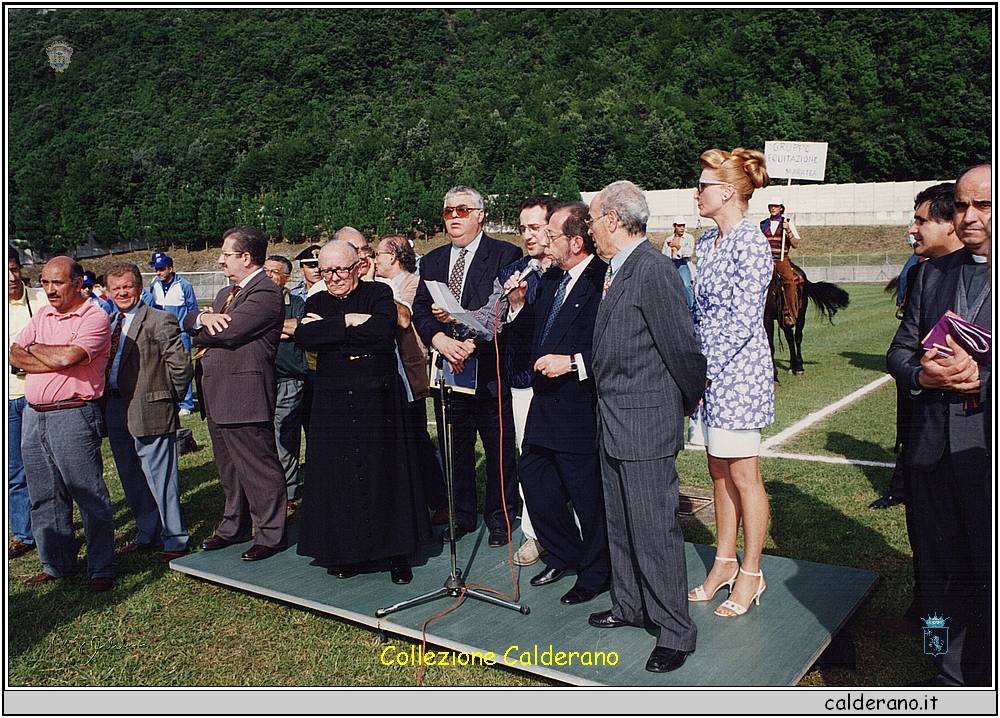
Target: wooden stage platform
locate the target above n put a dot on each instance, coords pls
(804, 605)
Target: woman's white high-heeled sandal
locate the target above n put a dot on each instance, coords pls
(699, 592)
(737, 609)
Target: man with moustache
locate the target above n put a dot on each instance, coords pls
(950, 490)
(239, 334)
(559, 453)
(150, 370)
(64, 352)
(468, 265)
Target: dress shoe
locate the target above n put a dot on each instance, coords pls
(529, 552)
(399, 570)
(39, 580)
(259, 553)
(168, 556)
(937, 681)
(19, 548)
(498, 538)
(101, 584)
(549, 575)
(605, 619)
(885, 502)
(459, 533)
(663, 660)
(440, 517)
(136, 548)
(579, 594)
(216, 542)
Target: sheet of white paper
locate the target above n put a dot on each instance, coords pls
(443, 298)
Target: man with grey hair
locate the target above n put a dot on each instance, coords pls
(468, 266)
(649, 372)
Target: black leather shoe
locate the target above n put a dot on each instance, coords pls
(605, 619)
(459, 533)
(549, 575)
(885, 502)
(400, 571)
(663, 660)
(578, 594)
(498, 538)
(216, 542)
(259, 553)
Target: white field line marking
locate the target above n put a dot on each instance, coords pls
(817, 416)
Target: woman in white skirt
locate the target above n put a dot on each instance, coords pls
(734, 270)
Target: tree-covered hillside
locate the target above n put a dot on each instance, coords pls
(171, 125)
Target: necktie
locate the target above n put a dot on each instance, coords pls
(557, 303)
(607, 281)
(116, 337)
(229, 300)
(457, 274)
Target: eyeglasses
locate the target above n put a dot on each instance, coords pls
(702, 184)
(591, 220)
(551, 236)
(230, 254)
(342, 272)
(532, 227)
(461, 211)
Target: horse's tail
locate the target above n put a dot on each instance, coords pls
(828, 298)
(892, 287)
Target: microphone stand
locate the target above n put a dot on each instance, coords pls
(454, 584)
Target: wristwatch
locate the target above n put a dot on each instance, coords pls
(572, 362)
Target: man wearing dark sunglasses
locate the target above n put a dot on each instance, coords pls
(468, 265)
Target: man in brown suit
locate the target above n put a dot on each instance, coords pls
(395, 264)
(239, 334)
(149, 373)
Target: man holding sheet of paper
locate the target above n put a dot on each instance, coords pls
(468, 267)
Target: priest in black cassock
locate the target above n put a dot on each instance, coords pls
(363, 506)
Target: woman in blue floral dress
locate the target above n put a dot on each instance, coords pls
(734, 270)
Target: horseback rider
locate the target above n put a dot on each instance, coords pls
(782, 236)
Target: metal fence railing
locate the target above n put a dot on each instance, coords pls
(850, 260)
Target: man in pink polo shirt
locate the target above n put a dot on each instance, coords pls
(64, 351)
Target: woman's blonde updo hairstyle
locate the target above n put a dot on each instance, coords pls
(746, 170)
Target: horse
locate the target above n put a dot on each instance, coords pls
(828, 298)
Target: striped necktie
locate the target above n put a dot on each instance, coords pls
(229, 300)
(116, 337)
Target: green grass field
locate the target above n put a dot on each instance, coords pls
(160, 628)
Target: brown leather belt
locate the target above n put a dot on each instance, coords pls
(74, 403)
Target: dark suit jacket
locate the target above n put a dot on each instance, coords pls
(238, 384)
(563, 413)
(938, 415)
(647, 359)
(154, 371)
(491, 256)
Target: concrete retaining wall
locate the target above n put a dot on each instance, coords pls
(889, 203)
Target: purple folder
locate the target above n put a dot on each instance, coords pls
(971, 337)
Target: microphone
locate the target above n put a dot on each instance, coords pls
(533, 266)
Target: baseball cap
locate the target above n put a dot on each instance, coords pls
(161, 260)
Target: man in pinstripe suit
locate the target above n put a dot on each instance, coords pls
(649, 373)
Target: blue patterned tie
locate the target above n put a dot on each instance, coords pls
(557, 303)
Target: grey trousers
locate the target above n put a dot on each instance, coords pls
(648, 565)
(288, 430)
(62, 462)
(147, 467)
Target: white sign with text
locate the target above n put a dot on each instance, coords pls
(796, 160)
